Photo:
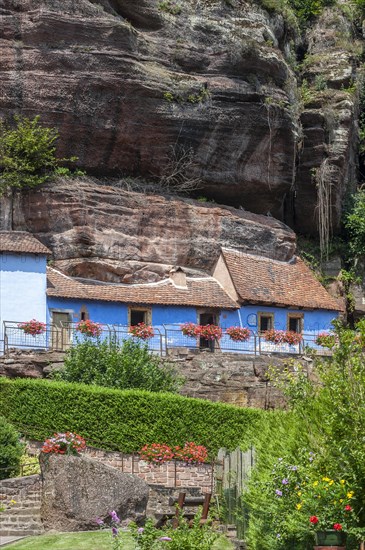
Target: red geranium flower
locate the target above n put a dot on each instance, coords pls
(314, 520)
(337, 526)
(348, 508)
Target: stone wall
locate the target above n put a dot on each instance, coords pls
(174, 474)
(227, 377)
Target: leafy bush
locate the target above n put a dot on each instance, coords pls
(304, 10)
(126, 366)
(11, 449)
(327, 420)
(27, 154)
(355, 226)
(124, 420)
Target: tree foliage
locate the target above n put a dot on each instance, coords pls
(28, 154)
(355, 226)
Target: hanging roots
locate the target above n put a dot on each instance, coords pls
(324, 182)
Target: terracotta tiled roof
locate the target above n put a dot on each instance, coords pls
(21, 242)
(264, 281)
(199, 292)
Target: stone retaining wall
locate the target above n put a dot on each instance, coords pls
(228, 377)
(174, 474)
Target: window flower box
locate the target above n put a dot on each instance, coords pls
(238, 334)
(33, 327)
(89, 328)
(142, 331)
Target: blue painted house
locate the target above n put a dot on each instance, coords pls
(274, 295)
(243, 290)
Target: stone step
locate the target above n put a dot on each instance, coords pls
(20, 532)
(23, 511)
(7, 518)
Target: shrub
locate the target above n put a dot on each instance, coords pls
(11, 449)
(125, 366)
(123, 420)
(27, 154)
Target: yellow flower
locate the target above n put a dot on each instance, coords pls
(350, 494)
(299, 493)
(315, 483)
(299, 506)
(330, 482)
(342, 482)
(341, 500)
(326, 479)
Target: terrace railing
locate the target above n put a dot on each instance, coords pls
(166, 340)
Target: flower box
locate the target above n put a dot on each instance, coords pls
(238, 334)
(142, 331)
(89, 328)
(33, 327)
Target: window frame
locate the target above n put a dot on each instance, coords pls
(147, 310)
(261, 314)
(298, 316)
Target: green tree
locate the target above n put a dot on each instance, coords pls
(355, 226)
(126, 366)
(28, 154)
(11, 449)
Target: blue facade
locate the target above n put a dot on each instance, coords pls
(115, 313)
(23, 287)
(314, 321)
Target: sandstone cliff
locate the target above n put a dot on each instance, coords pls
(108, 233)
(130, 83)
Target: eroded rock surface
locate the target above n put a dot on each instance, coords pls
(107, 233)
(125, 82)
(76, 490)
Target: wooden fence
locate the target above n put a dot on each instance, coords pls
(232, 472)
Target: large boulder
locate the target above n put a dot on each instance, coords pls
(77, 490)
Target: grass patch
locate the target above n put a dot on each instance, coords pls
(97, 540)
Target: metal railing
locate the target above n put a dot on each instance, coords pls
(166, 339)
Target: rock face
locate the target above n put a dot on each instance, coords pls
(127, 82)
(328, 159)
(131, 86)
(110, 234)
(77, 490)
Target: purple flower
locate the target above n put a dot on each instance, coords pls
(278, 493)
(285, 481)
(165, 538)
(278, 536)
(114, 531)
(114, 516)
(293, 468)
(140, 530)
(99, 521)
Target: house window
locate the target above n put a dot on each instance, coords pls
(84, 315)
(138, 315)
(266, 321)
(295, 322)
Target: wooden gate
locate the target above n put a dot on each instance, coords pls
(232, 472)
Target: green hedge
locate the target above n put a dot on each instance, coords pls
(123, 420)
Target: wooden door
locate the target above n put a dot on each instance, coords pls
(61, 331)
